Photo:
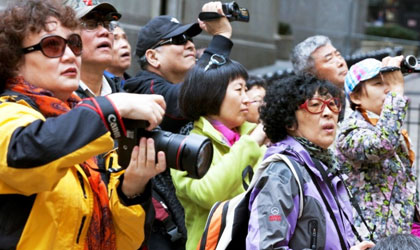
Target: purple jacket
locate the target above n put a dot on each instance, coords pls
(274, 206)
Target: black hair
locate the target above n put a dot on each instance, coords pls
(398, 241)
(283, 99)
(254, 80)
(202, 92)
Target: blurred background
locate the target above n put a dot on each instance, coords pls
(358, 28)
(354, 26)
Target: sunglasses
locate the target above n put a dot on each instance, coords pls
(176, 40)
(54, 46)
(317, 105)
(92, 24)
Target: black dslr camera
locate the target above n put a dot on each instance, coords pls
(192, 153)
(231, 10)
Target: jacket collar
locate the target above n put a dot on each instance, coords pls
(290, 146)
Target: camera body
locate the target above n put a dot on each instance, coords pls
(409, 64)
(235, 13)
(192, 153)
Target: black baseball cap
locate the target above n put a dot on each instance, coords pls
(162, 27)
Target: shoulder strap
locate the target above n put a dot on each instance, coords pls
(294, 168)
(352, 200)
(327, 205)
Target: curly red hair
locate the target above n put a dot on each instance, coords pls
(21, 18)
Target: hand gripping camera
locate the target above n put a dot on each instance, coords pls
(408, 65)
(231, 10)
(192, 153)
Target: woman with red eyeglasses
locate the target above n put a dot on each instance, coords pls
(309, 209)
(52, 194)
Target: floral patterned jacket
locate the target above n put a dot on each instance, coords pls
(381, 177)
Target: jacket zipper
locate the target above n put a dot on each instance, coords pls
(313, 231)
(82, 184)
(80, 229)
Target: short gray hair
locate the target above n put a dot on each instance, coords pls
(301, 58)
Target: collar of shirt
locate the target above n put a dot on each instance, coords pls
(105, 89)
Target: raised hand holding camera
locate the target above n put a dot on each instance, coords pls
(219, 24)
(140, 107)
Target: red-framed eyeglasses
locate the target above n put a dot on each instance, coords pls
(317, 105)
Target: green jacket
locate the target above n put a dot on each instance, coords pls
(222, 181)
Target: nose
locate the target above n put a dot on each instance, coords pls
(189, 45)
(340, 61)
(68, 54)
(102, 30)
(327, 111)
(245, 98)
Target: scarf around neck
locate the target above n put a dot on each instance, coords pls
(326, 156)
(228, 134)
(101, 232)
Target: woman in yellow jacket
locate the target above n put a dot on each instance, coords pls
(52, 194)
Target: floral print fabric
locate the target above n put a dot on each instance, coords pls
(380, 173)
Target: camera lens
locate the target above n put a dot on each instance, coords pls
(409, 64)
(192, 153)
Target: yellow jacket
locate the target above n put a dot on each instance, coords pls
(41, 168)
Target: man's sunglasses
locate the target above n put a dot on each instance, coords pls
(92, 24)
(54, 46)
(176, 40)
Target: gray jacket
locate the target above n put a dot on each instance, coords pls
(274, 207)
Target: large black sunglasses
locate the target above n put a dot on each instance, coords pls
(54, 46)
(176, 40)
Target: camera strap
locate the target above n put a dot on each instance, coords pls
(353, 201)
(204, 16)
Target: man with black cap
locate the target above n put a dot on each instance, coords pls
(97, 38)
(166, 52)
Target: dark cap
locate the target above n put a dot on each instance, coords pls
(162, 27)
(84, 7)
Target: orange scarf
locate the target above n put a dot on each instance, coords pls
(101, 232)
(373, 121)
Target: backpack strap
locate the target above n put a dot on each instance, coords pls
(295, 169)
(214, 227)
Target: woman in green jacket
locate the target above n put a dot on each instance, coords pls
(214, 96)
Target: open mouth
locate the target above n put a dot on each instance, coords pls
(328, 127)
(126, 54)
(104, 45)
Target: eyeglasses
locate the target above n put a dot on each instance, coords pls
(317, 105)
(215, 59)
(259, 102)
(92, 24)
(176, 40)
(54, 46)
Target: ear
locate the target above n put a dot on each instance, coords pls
(152, 58)
(291, 129)
(355, 98)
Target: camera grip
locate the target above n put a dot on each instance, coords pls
(205, 16)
